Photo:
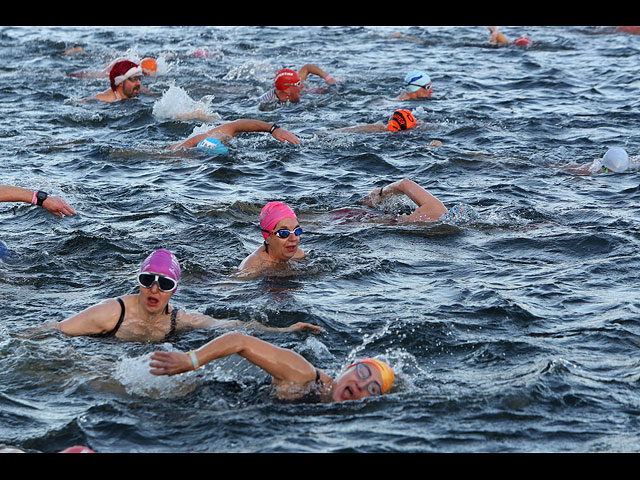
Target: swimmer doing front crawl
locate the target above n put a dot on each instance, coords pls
(215, 138)
(147, 316)
(292, 376)
(429, 208)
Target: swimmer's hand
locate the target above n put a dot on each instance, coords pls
(170, 363)
(57, 206)
(283, 136)
(302, 327)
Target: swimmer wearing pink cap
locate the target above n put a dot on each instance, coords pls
(125, 78)
(147, 315)
(288, 85)
(281, 232)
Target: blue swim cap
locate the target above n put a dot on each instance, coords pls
(616, 160)
(213, 145)
(415, 79)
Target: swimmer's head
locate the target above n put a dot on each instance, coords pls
(616, 160)
(212, 145)
(364, 378)
(149, 66)
(385, 370)
(522, 41)
(163, 262)
(286, 78)
(271, 214)
(401, 119)
(123, 70)
(415, 80)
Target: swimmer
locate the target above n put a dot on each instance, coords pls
(50, 203)
(281, 232)
(126, 80)
(499, 38)
(292, 376)
(615, 160)
(400, 120)
(147, 316)
(216, 137)
(429, 208)
(417, 85)
(288, 85)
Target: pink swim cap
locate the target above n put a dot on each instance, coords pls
(163, 262)
(271, 214)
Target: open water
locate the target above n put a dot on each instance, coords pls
(518, 332)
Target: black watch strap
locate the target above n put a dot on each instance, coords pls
(273, 127)
(41, 197)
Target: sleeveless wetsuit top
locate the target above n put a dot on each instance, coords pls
(112, 333)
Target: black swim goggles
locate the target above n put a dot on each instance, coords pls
(283, 233)
(165, 284)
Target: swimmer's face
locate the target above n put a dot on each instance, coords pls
(360, 381)
(426, 91)
(153, 300)
(131, 86)
(284, 249)
(290, 94)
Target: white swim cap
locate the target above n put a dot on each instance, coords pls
(414, 80)
(616, 160)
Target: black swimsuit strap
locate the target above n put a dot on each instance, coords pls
(174, 313)
(112, 332)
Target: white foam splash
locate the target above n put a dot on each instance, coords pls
(134, 375)
(176, 104)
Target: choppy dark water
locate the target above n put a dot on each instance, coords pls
(518, 333)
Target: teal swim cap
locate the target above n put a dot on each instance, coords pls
(616, 160)
(213, 145)
(415, 79)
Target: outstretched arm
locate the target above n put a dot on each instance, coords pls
(94, 320)
(282, 364)
(232, 129)
(197, 320)
(51, 204)
(429, 207)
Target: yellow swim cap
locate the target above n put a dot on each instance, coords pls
(385, 371)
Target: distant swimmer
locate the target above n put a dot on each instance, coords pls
(50, 203)
(293, 377)
(126, 81)
(499, 38)
(401, 120)
(214, 140)
(281, 232)
(149, 68)
(147, 316)
(417, 85)
(289, 85)
(429, 208)
(615, 160)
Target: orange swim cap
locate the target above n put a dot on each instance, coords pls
(149, 66)
(401, 120)
(385, 371)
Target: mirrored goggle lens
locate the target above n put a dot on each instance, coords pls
(285, 233)
(165, 284)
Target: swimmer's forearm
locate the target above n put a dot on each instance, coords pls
(9, 193)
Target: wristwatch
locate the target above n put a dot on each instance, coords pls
(41, 197)
(273, 127)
